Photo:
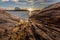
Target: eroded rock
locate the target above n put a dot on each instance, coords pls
(47, 23)
(8, 24)
(44, 25)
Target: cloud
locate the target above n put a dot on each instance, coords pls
(15, 0)
(31, 0)
(9, 0)
(36, 0)
(41, 0)
(44, 1)
(4, 0)
(20, 2)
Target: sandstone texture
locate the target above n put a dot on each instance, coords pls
(47, 23)
(44, 25)
(8, 25)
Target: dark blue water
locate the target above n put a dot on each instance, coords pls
(21, 14)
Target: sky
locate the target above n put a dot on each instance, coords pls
(23, 4)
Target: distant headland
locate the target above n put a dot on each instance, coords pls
(17, 9)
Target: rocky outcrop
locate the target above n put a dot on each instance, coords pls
(44, 25)
(8, 26)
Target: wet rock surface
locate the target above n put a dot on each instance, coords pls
(44, 25)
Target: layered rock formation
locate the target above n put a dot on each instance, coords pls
(44, 25)
(8, 26)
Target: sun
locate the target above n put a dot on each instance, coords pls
(30, 9)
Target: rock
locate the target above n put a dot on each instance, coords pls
(46, 24)
(8, 24)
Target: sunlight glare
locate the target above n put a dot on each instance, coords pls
(30, 9)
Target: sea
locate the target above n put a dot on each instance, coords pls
(21, 14)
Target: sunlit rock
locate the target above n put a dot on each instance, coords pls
(49, 23)
(8, 26)
(44, 25)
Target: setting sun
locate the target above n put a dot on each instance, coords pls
(30, 9)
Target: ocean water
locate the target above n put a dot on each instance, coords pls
(21, 14)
